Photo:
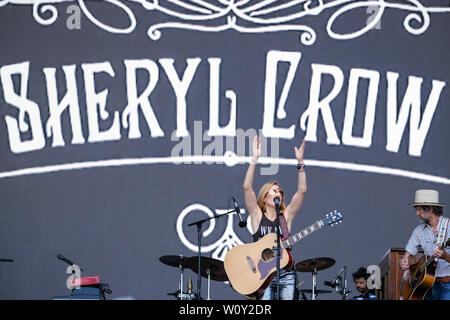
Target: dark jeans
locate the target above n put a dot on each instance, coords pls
(439, 291)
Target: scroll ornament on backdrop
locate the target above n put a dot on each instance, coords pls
(227, 240)
(243, 16)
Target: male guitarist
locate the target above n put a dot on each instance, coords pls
(263, 214)
(431, 235)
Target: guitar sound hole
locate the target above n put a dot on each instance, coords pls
(267, 255)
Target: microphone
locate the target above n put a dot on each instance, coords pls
(242, 222)
(336, 281)
(330, 283)
(277, 202)
(61, 257)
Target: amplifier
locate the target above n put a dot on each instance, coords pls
(83, 293)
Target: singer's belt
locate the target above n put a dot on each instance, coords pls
(443, 279)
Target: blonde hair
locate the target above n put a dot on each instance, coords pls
(262, 194)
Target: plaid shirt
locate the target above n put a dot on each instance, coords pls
(424, 237)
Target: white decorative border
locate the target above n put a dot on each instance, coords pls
(263, 16)
(230, 159)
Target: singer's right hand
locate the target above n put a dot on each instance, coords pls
(256, 148)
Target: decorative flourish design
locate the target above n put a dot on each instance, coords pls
(228, 240)
(245, 16)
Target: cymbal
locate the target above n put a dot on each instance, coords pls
(176, 261)
(216, 268)
(314, 264)
(315, 291)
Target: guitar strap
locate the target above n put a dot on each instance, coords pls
(442, 232)
(285, 231)
(284, 228)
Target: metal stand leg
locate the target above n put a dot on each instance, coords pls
(181, 294)
(208, 271)
(314, 284)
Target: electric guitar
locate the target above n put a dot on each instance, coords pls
(420, 277)
(251, 267)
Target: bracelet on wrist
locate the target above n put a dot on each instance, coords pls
(254, 160)
(301, 167)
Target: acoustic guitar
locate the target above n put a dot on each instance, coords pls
(251, 267)
(420, 277)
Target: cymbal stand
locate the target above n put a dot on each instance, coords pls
(181, 278)
(314, 284)
(208, 271)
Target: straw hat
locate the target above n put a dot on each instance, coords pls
(427, 198)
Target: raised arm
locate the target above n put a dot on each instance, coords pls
(297, 200)
(249, 195)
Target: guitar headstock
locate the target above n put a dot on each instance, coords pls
(333, 218)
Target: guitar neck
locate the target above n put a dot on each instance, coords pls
(289, 242)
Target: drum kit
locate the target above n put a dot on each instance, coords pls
(213, 269)
(210, 268)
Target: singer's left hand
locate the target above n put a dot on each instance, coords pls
(300, 151)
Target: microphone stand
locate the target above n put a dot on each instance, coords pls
(343, 289)
(277, 208)
(199, 225)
